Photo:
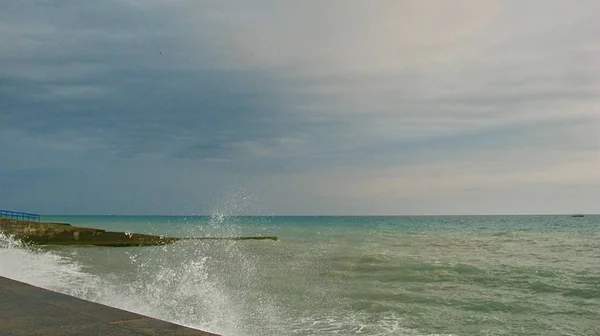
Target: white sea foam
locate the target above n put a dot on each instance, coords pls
(41, 268)
(156, 286)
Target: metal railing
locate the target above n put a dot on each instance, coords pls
(24, 216)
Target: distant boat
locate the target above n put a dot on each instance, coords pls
(577, 215)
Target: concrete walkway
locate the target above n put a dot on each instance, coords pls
(29, 310)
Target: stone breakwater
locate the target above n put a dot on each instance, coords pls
(44, 233)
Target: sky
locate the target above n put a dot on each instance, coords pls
(300, 107)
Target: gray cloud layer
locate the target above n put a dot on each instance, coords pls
(163, 106)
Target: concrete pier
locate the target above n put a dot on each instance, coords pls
(27, 310)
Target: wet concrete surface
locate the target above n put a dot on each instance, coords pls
(29, 310)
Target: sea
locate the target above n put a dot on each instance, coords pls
(388, 275)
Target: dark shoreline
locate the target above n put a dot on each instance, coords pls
(30, 310)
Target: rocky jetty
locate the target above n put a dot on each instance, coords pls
(44, 233)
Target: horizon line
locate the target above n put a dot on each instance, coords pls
(319, 215)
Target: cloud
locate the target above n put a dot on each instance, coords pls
(266, 94)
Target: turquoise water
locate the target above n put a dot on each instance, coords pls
(472, 275)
